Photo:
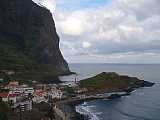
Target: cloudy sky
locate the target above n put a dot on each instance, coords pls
(108, 31)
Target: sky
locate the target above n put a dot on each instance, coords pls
(107, 31)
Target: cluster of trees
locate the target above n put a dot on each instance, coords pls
(3, 110)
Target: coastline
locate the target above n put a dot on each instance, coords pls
(97, 88)
(68, 107)
(67, 111)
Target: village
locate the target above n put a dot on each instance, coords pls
(23, 96)
(61, 98)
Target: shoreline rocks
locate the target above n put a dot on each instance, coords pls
(122, 84)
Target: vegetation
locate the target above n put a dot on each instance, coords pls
(69, 90)
(26, 68)
(3, 111)
(109, 82)
(22, 54)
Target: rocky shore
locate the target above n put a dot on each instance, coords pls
(68, 107)
(66, 110)
(106, 86)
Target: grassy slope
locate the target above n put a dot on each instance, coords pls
(26, 68)
(108, 82)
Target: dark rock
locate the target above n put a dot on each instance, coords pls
(138, 84)
(129, 90)
(114, 96)
(147, 84)
(30, 30)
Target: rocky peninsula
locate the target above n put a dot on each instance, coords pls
(113, 82)
(106, 85)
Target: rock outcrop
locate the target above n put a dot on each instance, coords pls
(28, 36)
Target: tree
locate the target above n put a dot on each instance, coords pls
(3, 111)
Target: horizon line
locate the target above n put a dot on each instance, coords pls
(115, 63)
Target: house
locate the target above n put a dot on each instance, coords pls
(3, 97)
(24, 105)
(7, 97)
(55, 94)
(69, 84)
(80, 90)
(24, 90)
(12, 85)
(39, 96)
(40, 87)
(45, 87)
(7, 72)
(10, 72)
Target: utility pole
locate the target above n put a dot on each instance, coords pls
(76, 78)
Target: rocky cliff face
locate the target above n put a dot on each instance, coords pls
(28, 33)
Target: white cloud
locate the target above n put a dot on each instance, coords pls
(123, 31)
(75, 24)
(49, 4)
(86, 44)
(72, 26)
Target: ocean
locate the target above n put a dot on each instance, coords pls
(142, 104)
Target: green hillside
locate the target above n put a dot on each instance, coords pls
(112, 82)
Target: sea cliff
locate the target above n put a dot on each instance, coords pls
(29, 44)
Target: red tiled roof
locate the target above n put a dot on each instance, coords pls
(40, 93)
(11, 85)
(13, 95)
(5, 95)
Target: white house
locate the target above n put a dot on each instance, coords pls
(22, 90)
(6, 97)
(25, 105)
(55, 94)
(12, 85)
(80, 90)
(69, 84)
(39, 96)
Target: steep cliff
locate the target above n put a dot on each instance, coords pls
(28, 38)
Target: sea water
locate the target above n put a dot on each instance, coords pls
(142, 104)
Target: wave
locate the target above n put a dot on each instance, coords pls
(88, 110)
